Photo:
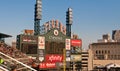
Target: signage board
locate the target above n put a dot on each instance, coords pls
(51, 60)
(76, 57)
(76, 50)
(67, 55)
(47, 65)
(54, 58)
(50, 65)
(41, 42)
(27, 38)
(67, 44)
(41, 53)
(76, 42)
(67, 58)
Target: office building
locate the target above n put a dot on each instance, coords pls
(104, 54)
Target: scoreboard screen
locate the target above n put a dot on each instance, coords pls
(29, 48)
(54, 47)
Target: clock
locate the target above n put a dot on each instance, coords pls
(56, 32)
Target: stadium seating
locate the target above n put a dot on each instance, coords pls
(13, 58)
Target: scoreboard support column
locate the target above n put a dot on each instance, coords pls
(64, 60)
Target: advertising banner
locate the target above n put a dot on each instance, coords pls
(76, 58)
(41, 42)
(67, 55)
(76, 42)
(54, 58)
(47, 65)
(67, 58)
(76, 50)
(67, 44)
(41, 53)
(29, 39)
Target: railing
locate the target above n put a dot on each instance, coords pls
(3, 69)
(19, 64)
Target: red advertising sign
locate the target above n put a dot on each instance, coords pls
(54, 58)
(47, 65)
(76, 42)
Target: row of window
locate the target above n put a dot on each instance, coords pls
(102, 51)
(107, 57)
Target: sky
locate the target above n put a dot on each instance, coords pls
(91, 18)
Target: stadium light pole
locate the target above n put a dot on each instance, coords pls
(37, 17)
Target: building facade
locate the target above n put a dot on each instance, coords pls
(103, 54)
(84, 61)
(116, 35)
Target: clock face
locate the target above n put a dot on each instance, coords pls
(56, 32)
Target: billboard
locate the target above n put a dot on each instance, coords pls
(29, 39)
(76, 57)
(76, 50)
(54, 58)
(67, 55)
(67, 58)
(51, 60)
(76, 42)
(47, 65)
(41, 53)
(67, 44)
(41, 42)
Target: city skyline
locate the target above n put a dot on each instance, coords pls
(91, 18)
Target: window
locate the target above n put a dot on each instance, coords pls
(105, 52)
(99, 52)
(102, 52)
(96, 51)
(108, 51)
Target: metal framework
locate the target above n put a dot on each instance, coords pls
(38, 17)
